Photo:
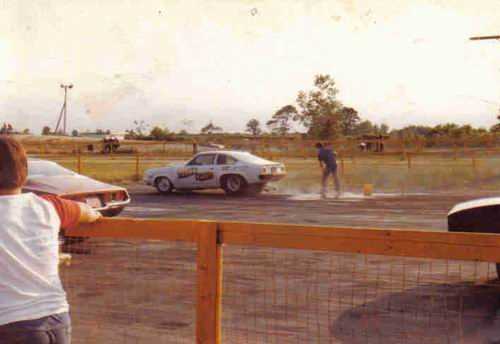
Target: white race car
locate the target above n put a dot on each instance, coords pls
(234, 171)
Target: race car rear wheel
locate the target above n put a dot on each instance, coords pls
(163, 185)
(233, 184)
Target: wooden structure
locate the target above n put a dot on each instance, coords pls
(211, 237)
(373, 143)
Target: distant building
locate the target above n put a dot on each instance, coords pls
(372, 143)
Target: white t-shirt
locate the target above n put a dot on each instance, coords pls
(30, 287)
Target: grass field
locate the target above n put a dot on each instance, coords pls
(386, 173)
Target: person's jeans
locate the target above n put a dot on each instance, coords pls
(327, 171)
(54, 329)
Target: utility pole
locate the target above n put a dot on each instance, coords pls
(63, 115)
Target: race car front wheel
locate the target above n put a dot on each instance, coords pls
(163, 185)
(234, 184)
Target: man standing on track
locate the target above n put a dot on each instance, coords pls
(328, 164)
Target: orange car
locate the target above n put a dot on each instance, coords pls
(47, 177)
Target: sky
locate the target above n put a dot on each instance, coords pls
(181, 64)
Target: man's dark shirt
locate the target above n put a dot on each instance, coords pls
(327, 156)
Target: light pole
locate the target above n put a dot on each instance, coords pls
(63, 115)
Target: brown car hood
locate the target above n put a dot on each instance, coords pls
(64, 185)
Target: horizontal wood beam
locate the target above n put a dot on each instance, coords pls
(394, 242)
(405, 243)
(165, 229)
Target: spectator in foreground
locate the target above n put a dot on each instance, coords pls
(33, 305)
(328, 164)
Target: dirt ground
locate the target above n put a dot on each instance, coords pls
(125, 291)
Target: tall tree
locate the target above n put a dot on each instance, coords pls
(280, 123)
(253, 127)
(210, 128)
(349, 119)
(319, 108)
(46, 130)
(384, 129)
(158, 133)
(140, 127)
(496, 127)
(364, 128)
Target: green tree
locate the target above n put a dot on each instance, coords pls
(364, 128)
(320, 111)
(74, 133)
(210, 128)
(280, 123)
(46, 130)
(496, 127)
(384, 129)
(140, 128)
(253, 127)
(349, 119)
(158, 133)
(26, 131)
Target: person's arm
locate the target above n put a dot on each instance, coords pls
(320, 159)
(72, 213)
(87, 214)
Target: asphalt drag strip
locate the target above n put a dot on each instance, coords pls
(423, 211)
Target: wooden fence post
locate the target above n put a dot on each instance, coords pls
(137, 176)
(474, 164)
(209, 272)
(79, 161)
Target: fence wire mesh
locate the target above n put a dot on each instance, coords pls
(130, 291)
(297, 296)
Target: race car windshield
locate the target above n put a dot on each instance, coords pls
(249, 158)
(47, 169)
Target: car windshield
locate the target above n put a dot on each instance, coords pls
(47, 169)
(249, 158)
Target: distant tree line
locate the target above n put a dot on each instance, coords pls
(324, 117)
(320, 113)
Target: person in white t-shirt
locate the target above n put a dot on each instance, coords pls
(33, 305)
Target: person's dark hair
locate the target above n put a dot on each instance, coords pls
(13, 164)
(319, 145)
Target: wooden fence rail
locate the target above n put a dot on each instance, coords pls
(211, 236)
(139, 159)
